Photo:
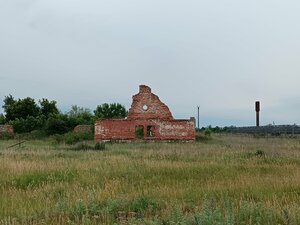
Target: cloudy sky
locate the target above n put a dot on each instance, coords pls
(222, 55)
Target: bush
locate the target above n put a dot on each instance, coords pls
(29, 124)
(73, 138)
(56, 126)
(200, 137)
(207, 132)
(99, 146)
(37, 134)
(259, 153)
(82, 147)
(6, 136)
(63, 123)
(58, 138)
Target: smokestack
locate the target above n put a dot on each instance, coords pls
(257, 109)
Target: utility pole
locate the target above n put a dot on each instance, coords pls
(198, 117)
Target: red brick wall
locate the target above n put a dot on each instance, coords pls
(114, 130)
(176, 130)
(154, 108)
(83, 128)
(160, 129)
(6, 129)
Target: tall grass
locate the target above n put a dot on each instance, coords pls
(225, 180)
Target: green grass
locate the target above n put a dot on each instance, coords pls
(225, 179)
(39, 178)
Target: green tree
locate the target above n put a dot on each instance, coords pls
(48, 107)
(26, 115)
(9, 108)
(2, 119)
(22, 108)
(57, 124)
(110, 111)
(81, 115)
(30, 123)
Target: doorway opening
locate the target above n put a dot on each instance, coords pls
(150, 131)
(139, 132)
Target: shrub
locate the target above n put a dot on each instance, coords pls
(28, 124)
(36, 134)
(207, 132)
(6, 136)
(58, 138)
(73, 138)
(99, 146)
(202, 138)
(115, 210)
(56, 126)
(83, 146)
(139, 132)
(259, 153)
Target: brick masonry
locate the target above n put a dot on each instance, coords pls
(146, 105)
(83, 129)
(6, 129)
(151, 116)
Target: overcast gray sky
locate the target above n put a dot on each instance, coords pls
(222, 55)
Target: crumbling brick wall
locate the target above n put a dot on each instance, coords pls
(6, 129)
(153, 129)
(176, 130)
(83, 129)
(146, 105)
(151, 116)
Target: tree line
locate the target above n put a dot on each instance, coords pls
(26, 115)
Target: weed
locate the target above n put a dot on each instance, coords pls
(39, 178)
(207, 132)
(209, 215)
(99, 146)
(82, 147)
(6, 136)
(286, 217)
(259, 153)
(79, 210)
(202, 138)
(75, 137)
(142, 203)
(57, 138)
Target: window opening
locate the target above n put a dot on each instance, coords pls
(150, 131)
(139, 132)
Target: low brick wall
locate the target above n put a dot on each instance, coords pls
(83, 128)
(114, 130)
(153, 129)
(6, 129)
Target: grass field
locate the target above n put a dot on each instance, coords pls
(226, 180)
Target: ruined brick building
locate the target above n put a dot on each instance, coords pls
(148, 119)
